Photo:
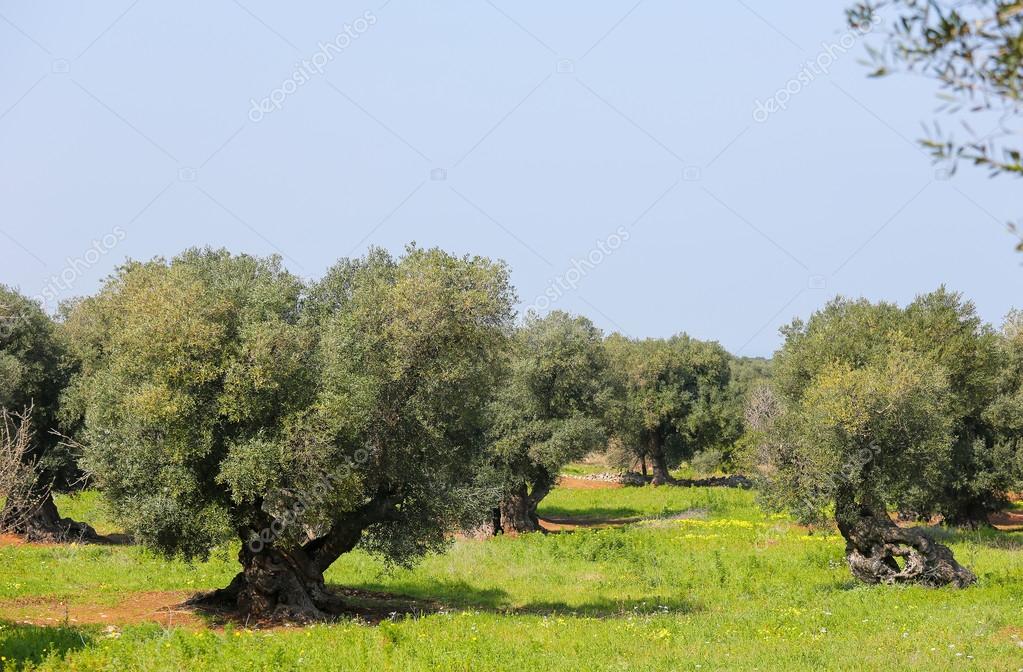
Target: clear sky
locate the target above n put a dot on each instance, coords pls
(612, 153)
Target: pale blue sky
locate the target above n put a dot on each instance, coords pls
(528, 131)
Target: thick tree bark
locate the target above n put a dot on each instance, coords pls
(658, 461)
(286, 584)
(518, 507)
(39, 521)
(879, 551)
(518, 516)
(276, 586)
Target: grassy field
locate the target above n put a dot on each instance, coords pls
(705, 581)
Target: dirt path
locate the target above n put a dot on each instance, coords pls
(1008, 521)
(573, 483)
(163, 607)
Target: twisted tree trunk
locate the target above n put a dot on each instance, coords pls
(518, 507)
(275, 585)
(28, 508)
(880, 552)
(659, 462)
(36, 519)
(285, 583)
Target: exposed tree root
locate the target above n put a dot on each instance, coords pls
(875, 546)
(275, 587)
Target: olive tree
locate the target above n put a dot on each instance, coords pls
(34, 368)
(857, 439)
(749, 375)
(547, 413)
(225, 400)
(667, 397)
(1005, 414)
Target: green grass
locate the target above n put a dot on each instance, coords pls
(648, 502)
(734, 589)
(584, 469)
(87, 506)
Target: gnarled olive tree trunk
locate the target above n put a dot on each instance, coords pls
(276, 585)
(879, 551)
(28, 510)
(518, 507)
(658, 461)
(35, 518)
(286, 584)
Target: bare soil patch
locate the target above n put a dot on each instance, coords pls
(163, 607)
(15, 540)
(573, 483)
(168, 608)
(1007, 520)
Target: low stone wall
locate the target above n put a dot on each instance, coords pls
(634, 478)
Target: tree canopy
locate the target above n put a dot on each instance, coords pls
(224, 399)
(34, 370)
(33, 364)
(667, 400)
(548, 412)
(944, 330)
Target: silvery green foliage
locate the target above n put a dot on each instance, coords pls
(940, 335)
(672, 392)
(549, 409)
(974, 50)
(225, 398)
(34, 368)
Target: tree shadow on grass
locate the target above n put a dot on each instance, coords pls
(987, 537)
(23, 645)
(593, 513)
(448, 596)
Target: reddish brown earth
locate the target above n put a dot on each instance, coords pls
(167, 608)
(14, 540)
(573, 483)
(163, 607)
(1007, 520)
